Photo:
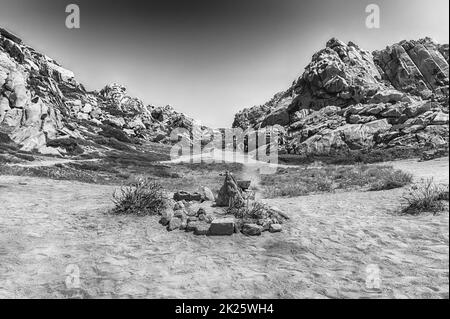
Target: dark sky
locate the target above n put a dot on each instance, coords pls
(210, 59)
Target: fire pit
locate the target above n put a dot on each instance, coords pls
(235, 210)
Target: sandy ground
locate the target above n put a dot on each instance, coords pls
(336, 246)
(438, 169)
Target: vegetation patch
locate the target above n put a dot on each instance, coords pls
(291, 182)
(426, 197)
(144, 197)
(5, 139)
(93, 167)
(112, 142)
(353, 157)
(388, 179)
(7, 159)
(59, 172)
(69, 144)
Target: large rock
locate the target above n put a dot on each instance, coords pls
(59, 73)
(222, 227)
(440, 118)
(348, 98)
(186, 196)
(230, 195)
(349, 136)
(275, 228)
(278, 117)
(208, 194)
(387, 96)
(166, 216)
(4, 107)
(12, 118)
(9, 35)
(201, 229)
(416, 67)
(362, 135)
(175, 223)
(16, 82)
(252, 230)
(254, 116)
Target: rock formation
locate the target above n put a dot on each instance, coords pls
(351, 99)
(230, 195)
(346, 99)
(40, 102)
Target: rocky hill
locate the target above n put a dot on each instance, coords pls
(351, 99)
(346, 99)
(43, 108)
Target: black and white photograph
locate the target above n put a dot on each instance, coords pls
(224, 155)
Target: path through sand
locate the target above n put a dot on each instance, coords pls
(44, 162)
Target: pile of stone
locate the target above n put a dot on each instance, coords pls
(232, 212)
(193, 217)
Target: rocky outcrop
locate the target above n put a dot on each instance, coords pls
(40, 101)
(415, 67)
(255, 116)
(348, 98)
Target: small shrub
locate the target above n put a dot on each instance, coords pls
(99, 166)
(286, 190)
(69, 144)
(390, 180)
(5, 139)
(426, 197)
(6, 159)
(144, 197)
(112, 142)
(25, 157)
(118, 134)
(433, 154)
(59, 172)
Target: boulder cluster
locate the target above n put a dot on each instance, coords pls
(233, 211)
(351, 99)
(40, 102)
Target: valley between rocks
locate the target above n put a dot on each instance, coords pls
(47, 225)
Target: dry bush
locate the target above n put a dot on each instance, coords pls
(256, 211)
(368, 156)
(69, 144)
(425, 197)
(144, 197)
(387, 180)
